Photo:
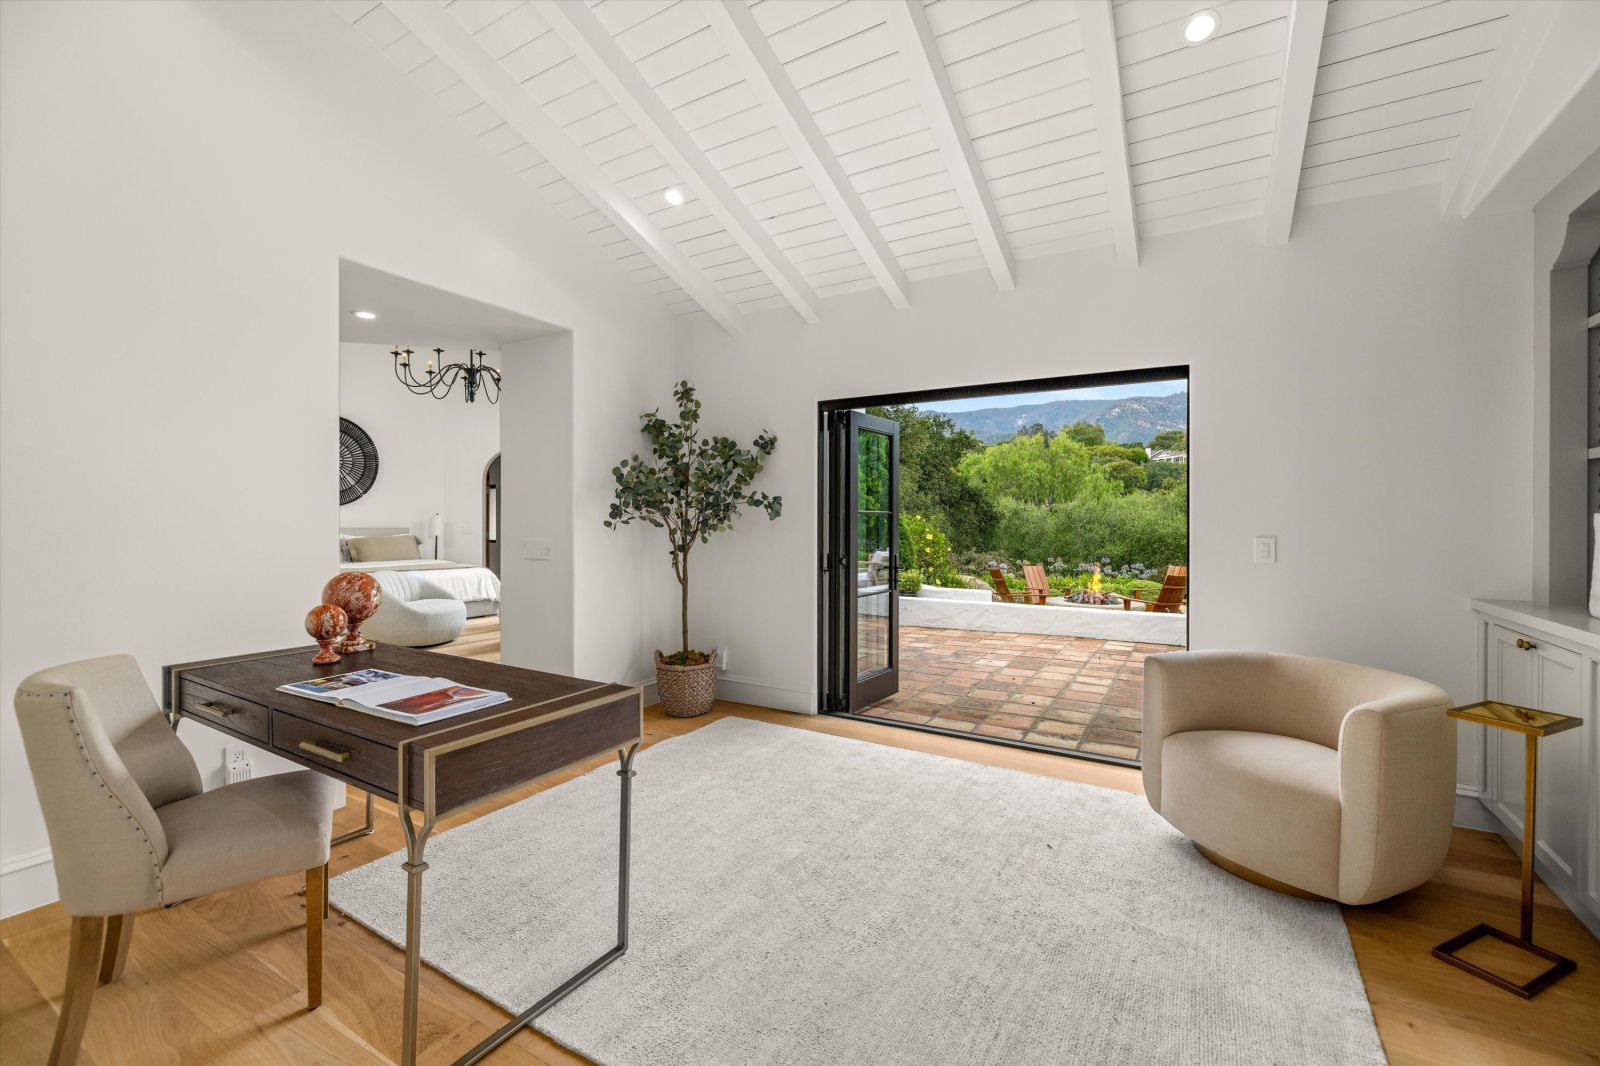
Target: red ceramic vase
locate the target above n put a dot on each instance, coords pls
(327, 624)
(358, 595)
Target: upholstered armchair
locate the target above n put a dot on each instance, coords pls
(415, 613)
(1317, 777)
(131, 830)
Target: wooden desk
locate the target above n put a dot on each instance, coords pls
(552, 723)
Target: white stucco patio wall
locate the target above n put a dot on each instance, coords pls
(956, 609)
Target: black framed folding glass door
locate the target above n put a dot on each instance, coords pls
(862, 559)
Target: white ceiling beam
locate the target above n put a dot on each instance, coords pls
(1099, 34)
(1547, 54)
(483, 74)
(1302, 54)
(763, 71)
(597, 50)
(930, 81)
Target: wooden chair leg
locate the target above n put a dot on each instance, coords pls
(325, 911)
(316, 893)
(119, 935)
(83, 958)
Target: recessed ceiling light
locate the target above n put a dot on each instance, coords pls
(1200, 27)
(368, 315)
(673, 197)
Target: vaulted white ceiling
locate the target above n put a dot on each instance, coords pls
(823, 147)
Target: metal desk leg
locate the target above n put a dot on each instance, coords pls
(365, 830)
(507, 1031)
(416, 841)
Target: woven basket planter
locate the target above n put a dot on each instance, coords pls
(686, 691)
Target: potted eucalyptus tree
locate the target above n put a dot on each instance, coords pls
(692, 487)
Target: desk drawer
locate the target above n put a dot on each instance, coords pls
(323, 746)
(206, 704)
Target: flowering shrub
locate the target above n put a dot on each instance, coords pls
(910, 581)
(1064, 579)
(924, 547)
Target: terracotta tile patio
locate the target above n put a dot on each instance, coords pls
(1072, 693)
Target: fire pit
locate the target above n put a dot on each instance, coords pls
(1095, 594)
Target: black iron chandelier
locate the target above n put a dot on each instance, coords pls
(474, 373)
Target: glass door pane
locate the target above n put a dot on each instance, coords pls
(870, 495)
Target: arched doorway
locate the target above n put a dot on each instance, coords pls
(491, 515)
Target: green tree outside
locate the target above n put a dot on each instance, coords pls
(1087, 434)
(1170, 440)
(931, 449)
(1068, 497)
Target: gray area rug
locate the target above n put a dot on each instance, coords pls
(800, 898)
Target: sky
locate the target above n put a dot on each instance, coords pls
(1020, 399)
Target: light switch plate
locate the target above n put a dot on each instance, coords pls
(1266, 549)
(538, 550)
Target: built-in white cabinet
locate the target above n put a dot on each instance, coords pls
(1547, 658)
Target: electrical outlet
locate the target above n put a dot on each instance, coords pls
(235, 765)
(1266, 550)
(722, 658)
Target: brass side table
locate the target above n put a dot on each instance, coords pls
(1531, 724)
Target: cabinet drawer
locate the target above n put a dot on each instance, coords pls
(224, 711)
(335, 749)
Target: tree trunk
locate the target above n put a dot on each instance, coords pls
(683, 585)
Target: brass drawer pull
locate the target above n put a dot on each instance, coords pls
(1526, 644)
(211, 709)
(327, 753)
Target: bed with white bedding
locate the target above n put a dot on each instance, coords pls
(476, 586)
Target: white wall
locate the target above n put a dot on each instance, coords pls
(1362, 394)
(431, 453)
(536, 478)
(178, 182)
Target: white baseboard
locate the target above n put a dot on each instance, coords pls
(26, 882)
(1471, 813)
(759, 694)
(738, 689)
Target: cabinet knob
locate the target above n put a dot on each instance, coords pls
(1525, 644)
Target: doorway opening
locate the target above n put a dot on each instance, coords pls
(491, 515)
(997, 561)
(421, 440)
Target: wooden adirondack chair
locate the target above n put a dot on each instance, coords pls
(1038, 583)
(1169, 600)
(1003, 591)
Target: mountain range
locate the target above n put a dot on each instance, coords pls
(1130, 419)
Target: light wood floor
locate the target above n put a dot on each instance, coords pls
(480, 640)
(220, 979)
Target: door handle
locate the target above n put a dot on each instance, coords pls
(325, 752)
(1526, 645)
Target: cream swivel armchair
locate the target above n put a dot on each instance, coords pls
(1310, 776)
(130, 828)
(415, 613)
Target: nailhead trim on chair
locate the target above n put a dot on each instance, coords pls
(88, 760)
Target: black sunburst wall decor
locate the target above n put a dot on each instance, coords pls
(358, 462)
